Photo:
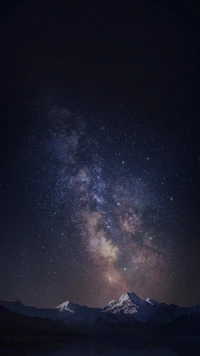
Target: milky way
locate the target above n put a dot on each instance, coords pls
(100, 158)
(112, 213)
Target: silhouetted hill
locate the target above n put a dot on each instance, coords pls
(17, 324)
(127, 315)
(185, 326)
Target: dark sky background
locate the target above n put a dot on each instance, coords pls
(100, 152)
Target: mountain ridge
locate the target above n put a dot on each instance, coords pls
(126, 308)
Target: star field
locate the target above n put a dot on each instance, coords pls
(101, 161)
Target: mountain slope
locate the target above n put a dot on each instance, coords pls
(142, 311)
(128, 308)
(65, 312)
(185, 325)
(18, 324)
(130, 304)
(77, 312)
(139, 310)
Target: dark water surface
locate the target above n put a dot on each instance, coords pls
(170, 347)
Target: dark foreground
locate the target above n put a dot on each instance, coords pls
(78, 347)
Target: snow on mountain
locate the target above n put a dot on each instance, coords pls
(78, 312)
(67, 306)
(65, 312)
(148, 310)
(128, 307)
(131, 305)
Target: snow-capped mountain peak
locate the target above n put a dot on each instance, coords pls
(128, 304)
(66, 306)
(131, 305)
(128, 307)
(151, 301)
(128, 296)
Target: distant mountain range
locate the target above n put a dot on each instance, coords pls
(128, 312)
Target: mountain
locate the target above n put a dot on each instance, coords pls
(187, 325)
(134, 309)
(66, 312)
(130, 304)
(127, 309)
(77, 312)
(18, 324)
(18, 307)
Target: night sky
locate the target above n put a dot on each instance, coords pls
(100, 152)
